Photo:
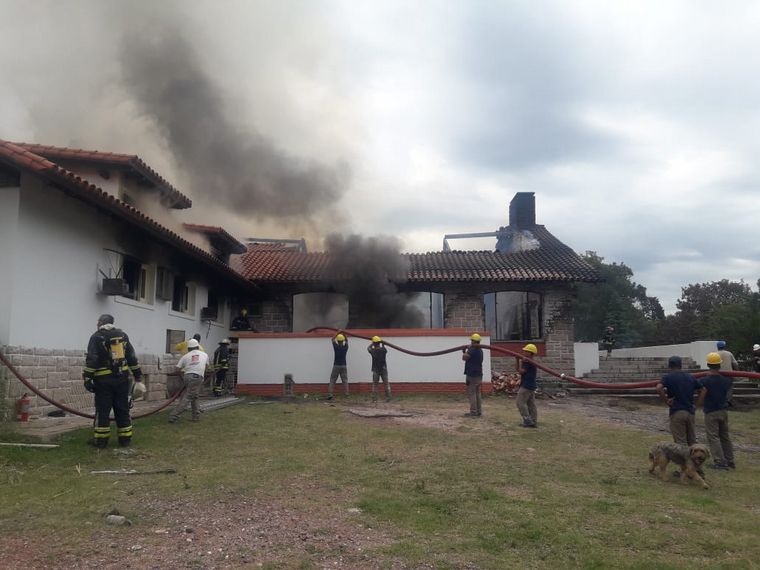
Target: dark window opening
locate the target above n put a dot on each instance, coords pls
(180, 295)
(514, 315)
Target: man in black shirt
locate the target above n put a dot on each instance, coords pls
(473, 374)
(714, 398)
(378, 352)
(526, 395)
(677, 389)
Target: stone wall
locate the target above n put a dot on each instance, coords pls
(276, 315)
(559, 330)
(58, 374)
(464, 310)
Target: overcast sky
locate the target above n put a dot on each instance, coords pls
(634, 123)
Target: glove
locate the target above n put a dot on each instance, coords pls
(89, 385)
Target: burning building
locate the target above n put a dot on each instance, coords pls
(84, 233)
(522, 292)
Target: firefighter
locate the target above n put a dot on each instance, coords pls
(181, 347)
(221, 365)
(378, 353)
(241, 322)
(110, 358)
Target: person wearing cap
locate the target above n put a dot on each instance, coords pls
(526, 394)
(181, 347)
(714, 402)
(677, 389)
(473, 375)
(756, 358)
(340, 366)
(728, 360)
(221, 365)
(192, 367)
(241, 322)
(378, 352)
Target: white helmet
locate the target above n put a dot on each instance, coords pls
(755, 347)
(224, 341)
(192, 343)
(138, 390)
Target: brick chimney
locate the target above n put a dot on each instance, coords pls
(522, 211)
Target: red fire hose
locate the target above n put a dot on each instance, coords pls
(66, 408)
(569, 378)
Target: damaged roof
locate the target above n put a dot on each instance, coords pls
(130, 162)
(233, 245)
(22, 158)
(550, 261)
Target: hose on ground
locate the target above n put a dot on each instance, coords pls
(69, 409)
(551, 371)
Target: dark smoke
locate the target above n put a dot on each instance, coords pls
(235, 166)
(368, 270)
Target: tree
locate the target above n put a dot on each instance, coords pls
(617, 301)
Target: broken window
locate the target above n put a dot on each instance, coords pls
(126, 276)
(513, 315)
(183, 296)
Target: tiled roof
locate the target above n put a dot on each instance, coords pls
(234, 245)
(277, 263)
(79, 188)
(552, 261)
(132, 161)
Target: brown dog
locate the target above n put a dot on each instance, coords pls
(688, 458)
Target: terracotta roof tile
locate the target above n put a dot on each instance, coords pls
(131, 161)
(88, 192)
(553, 261)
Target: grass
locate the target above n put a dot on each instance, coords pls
(575, 493)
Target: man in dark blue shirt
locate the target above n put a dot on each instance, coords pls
(677, 389)
(473, 374)
(526, 395)
(714, 398)
(340, 367)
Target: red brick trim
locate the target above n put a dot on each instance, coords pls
(360, 388)
(365, 332)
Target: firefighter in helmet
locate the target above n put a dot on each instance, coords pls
(110, 359)
(221, 365)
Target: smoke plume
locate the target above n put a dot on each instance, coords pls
(226, 162)
(368, 271)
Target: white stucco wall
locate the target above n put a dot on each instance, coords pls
(54, 302)
(696, 350)
(586, 357)
(9, 212)
(266, 360)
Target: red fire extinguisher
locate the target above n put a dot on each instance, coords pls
(22, 408)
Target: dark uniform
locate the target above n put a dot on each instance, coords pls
(221, 365)
(110, 357)
(379, 353)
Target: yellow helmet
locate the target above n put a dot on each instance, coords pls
(714, 358)
(475, 337)
(339, 337)
(376, 339)
(530, 348)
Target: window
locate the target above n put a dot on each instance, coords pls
(127, 276)
(173, 338)
(514, 315)
(164, 288)
(430, 305)
(183, 296)
(212, 311)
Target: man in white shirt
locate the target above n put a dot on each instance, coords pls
(192, 367)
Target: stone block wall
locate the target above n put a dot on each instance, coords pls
(276, 316)
(559, 331)
(464, 310)
(58, 374)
